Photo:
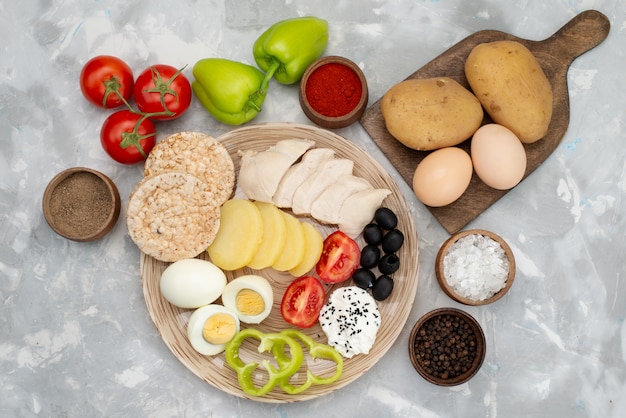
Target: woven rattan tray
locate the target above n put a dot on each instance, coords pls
(171, 321)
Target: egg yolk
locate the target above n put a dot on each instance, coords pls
(219, 328)
(249, 302)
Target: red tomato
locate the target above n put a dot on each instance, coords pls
(340, 258)
(162, 84)
(104, 79)
(303, 301)
(128, 137)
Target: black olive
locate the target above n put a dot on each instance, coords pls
(370, 254)
(392, 241)
(372, 234)
(386, 218)
(363, 278)
(389, 264)
(382, 287)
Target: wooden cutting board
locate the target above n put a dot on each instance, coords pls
(555, 54)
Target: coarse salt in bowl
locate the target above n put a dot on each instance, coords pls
(475, 267)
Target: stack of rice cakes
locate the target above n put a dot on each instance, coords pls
(174, 211)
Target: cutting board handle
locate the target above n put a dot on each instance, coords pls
(585, 31)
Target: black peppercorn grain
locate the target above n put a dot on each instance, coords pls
(445, 346)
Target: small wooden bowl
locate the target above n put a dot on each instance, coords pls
(448, 290)
(333, 122)
(81, 204)
(419, 361)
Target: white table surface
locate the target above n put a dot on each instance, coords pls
(76, 339)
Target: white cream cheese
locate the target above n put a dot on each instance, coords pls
(350, 319)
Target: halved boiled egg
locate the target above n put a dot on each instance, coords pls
(211, 327)
(250, 297)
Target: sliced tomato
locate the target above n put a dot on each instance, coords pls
(340, 258)
(303, 301)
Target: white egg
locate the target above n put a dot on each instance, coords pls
(191, 283)
(211, 327)
(250, 297)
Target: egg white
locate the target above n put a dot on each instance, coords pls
(253, 282)
(191, 283)
(196, 325)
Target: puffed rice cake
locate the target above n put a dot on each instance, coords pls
(198, 154)
(172, 216)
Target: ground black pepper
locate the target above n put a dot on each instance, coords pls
(445, 346)
(81, 204)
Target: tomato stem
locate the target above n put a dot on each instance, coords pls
(133, 138)
(112, 86)
(163, 87)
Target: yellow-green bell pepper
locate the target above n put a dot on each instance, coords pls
(286, 368)
(288, 365)
(233, 92)
(316, 350)
(288, 47)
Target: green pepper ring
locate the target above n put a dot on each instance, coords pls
(316, 350)
(287, 366)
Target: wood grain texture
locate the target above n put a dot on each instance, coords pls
(555, 54)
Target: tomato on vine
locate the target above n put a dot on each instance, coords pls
(128, 137)
(107, 81)
(162, 91)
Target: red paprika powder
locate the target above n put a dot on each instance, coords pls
(333, 90)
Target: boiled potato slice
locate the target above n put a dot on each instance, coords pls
(274, 236)
(293, 252)
(512, 87)
(433, 113)
(239, 236)
(313, 244)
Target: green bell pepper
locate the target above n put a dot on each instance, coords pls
(288, 47)
(231, 91)
(287, 367)
(316, 350)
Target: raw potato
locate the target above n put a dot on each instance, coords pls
(428, 114)
(512, 87)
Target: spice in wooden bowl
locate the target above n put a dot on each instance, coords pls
(333, 92)
(447, 347)
(475, 267)
(81, 204)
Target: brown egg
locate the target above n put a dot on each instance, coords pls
(499, 157)
(442, 176)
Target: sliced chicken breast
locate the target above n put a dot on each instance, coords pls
(315, 184)
(358, 210)
(261, 172)
(298, 173)
(326, 208)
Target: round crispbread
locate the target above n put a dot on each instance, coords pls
(198, 154)
(171, 216)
